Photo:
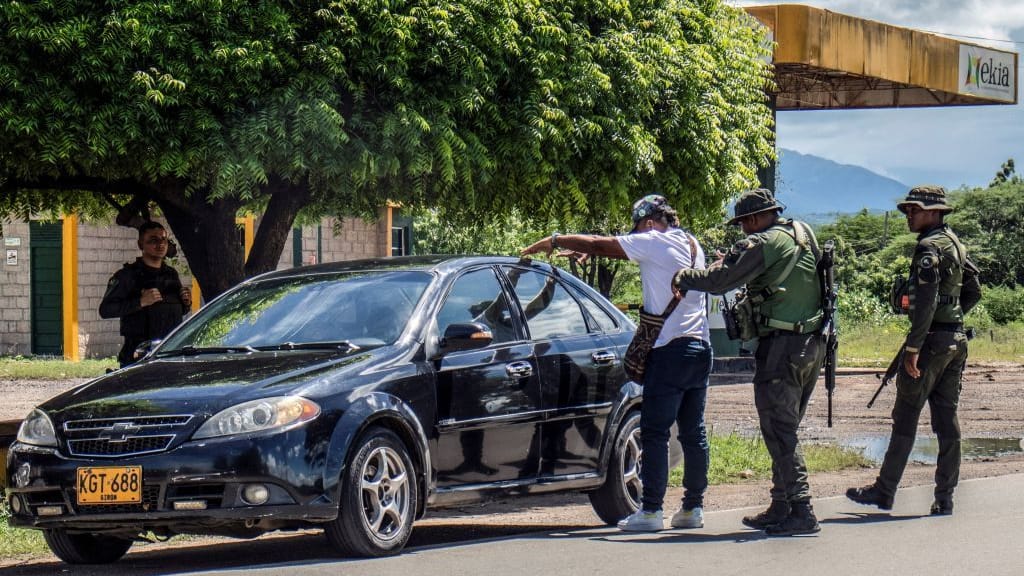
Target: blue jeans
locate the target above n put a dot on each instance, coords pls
(675, 390)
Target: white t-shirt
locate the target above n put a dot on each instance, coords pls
(660, 255)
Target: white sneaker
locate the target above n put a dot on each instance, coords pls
(688, 518)
(643, 521)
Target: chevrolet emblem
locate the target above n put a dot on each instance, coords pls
(120, 432)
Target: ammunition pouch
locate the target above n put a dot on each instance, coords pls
(899, 295)
(740, 317)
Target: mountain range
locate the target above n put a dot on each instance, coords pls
(817, 189)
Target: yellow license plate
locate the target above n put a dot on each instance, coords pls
(110, 485)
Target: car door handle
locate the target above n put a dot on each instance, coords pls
(603, 357)
(519, 369)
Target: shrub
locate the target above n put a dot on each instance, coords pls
(858, 307)
(1004, 304)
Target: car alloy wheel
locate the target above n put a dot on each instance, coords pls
(384, 487)
(378, 497)
(620, 494)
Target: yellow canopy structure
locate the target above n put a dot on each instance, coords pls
(825, 60)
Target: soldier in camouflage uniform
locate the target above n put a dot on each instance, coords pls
(777, 262)
(943, 286)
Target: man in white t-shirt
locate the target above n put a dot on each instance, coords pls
(679, 366)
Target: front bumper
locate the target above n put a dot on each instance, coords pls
(196, 487)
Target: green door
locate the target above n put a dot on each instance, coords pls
(47, 325)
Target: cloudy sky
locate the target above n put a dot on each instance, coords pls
(950, 146)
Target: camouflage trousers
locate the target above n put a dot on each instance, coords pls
(785, 373)
(941, 361)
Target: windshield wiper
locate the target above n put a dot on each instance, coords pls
(339, 345)
(195, 351)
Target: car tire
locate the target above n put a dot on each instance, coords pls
(619, 496)
(86, 548)
(378, 498)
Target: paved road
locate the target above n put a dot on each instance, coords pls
(985, 537)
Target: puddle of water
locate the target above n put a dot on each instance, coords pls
(926, 448)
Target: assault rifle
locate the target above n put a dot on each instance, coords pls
(828, 324)
(890, 373)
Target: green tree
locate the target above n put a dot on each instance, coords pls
(990, 221)
(206, 107)
(1006, 173)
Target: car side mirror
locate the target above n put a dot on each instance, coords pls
(143, 350)
(465, 336)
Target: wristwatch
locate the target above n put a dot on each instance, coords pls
(554, 240)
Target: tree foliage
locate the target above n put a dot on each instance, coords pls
(1006, 173)
(991, 221)
(562, 109)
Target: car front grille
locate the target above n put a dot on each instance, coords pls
(127, 436)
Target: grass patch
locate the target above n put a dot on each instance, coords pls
(24, 368)
(874, 346)
(735, 458)
(17, 541)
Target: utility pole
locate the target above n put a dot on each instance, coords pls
(885, 231)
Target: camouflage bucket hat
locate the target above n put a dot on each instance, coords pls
(754, 202)
(927, 198)
(646, 207)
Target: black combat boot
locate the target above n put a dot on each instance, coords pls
(801, 520)
(777, 512)
(942, 507)
(870, 495)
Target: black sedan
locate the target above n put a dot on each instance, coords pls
(348, 396)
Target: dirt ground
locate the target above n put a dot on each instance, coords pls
(992, 406)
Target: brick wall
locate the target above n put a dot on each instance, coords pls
(15, 286)
(340, 239)
(103, 249)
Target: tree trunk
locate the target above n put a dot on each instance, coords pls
(285, 202)
(606, 270)
(209, 238)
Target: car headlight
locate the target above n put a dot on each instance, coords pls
(37, 429)
(259, 416)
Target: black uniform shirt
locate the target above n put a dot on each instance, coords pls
(124, 292)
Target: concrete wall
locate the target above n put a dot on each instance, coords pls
(15, 286)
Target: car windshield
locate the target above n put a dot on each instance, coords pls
(357, 309)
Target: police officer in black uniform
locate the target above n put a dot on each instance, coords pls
(146, 295)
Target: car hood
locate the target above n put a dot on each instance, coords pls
(202, 384)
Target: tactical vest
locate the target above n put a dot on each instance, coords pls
(791, 299)
(951, 273)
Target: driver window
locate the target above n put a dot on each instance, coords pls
(550, 310)
(478, 297)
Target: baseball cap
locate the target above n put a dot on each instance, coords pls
(646, 207)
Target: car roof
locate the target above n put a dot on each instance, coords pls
(438, 263)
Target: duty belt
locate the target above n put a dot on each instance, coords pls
(802, 327)
(946, 327)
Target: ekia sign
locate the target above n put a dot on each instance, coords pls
(987, 73)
